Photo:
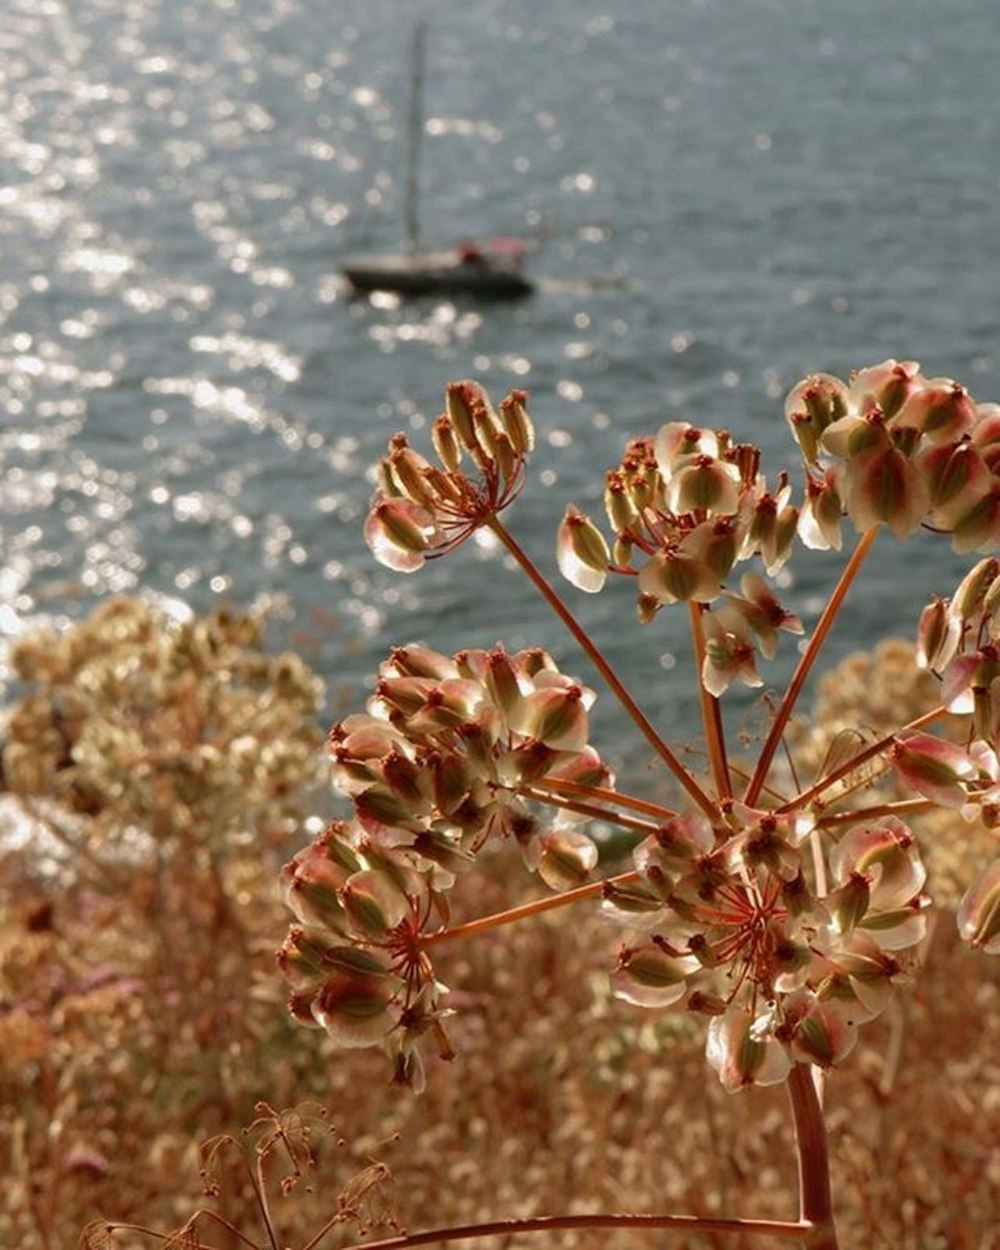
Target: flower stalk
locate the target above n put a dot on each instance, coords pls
(536, 907)
(782, 1229)
(614, 683)
(815, 1200)
(805, 664)
(711, 711)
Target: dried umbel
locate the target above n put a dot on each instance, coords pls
(787, 919)
(786, 914)
(424, 509)
(454, 752)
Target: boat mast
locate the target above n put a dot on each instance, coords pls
(411, 241)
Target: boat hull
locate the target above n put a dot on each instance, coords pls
(434, 274)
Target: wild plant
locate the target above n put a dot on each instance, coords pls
(784, 914)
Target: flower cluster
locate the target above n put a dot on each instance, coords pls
(685, 508)
(893, 446)
(422, 509)
(687, 504)
(786, 918)
(726, 923)
(452, 753)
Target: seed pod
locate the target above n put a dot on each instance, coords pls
(446, 445)
(517, 423)
(581, 551)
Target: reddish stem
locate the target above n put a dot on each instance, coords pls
(589, 809)
(711, 714)
(579, 790)
(536, 907)
(815, 1200)
(862, 757)
(607, 672)
(555, 1223)
(802, 670)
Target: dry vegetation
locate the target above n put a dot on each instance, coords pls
(140, 1015)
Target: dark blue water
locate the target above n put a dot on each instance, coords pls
(724, 196)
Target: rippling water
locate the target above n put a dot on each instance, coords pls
(725, 197)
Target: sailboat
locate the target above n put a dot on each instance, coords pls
(486, 268)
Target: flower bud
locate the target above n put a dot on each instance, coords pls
(415, 660)
(932, 767)
(646, 608)
(743, 1050)
(398, 534)
(957, 478)
(707, 485)
(941, 410)
(979, 529)
(813, 404)
(300, 958)
(821, 1031)
(501, 681)
(556, 717)
(461, 400)
(885, 386)
(617, 503)
(300, 1008)
(849, 905)
(354, 1009)
(819, 520)
(374, 903)
(887, 486)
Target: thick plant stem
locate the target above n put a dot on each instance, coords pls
(804, 666)
(815, 1201)
(711, 713)
(554, 1223)
(689, 783)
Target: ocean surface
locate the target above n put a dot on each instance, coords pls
(722, 198)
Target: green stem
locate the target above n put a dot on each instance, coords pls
(804, 666)
(815, 1200)
(604, 668)
(799, 1232)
